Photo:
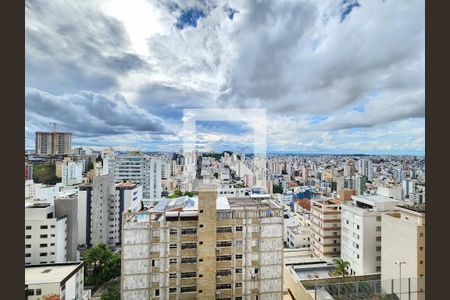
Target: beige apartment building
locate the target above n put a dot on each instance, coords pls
(325, 228)
(53, 143)
(403, 239)
(203, 248)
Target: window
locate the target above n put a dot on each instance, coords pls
(378, 269)
(172, 290)
(172, 261)
(188, 289)
(44, 227)
(238, 271)
(44, 236)
(188, 274)
(238, 284)
(52, 253)
(27, 254)
(189, 260)
(223, 257)
(421, 262)
(238, 228)
(223, 273)
(378, 228)
(224, 244)
(223, 229)
(238, 256)
(27, 246)
(378, 218)
(157, 292)
(173, 246)
(28, 227)
(223, 286)
(28, 236)
(172, 275)
(53, 226)
(238, 243)
(52, 244)
(189, 231)
(201, 225)
(188, 245)
(378, 238)
(378, 248)
(378, 258)
(43, 245)
(43, 254)
(30, 293)
(38, 292)
(173, 231)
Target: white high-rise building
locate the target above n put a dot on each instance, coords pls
(365, 168)
(100, 208)
(141, 169)
(45, 235)
(71, 172)
(361, 232)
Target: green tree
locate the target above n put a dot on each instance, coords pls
(102, 265)
(278, 189)
(112, 292)
(341, 267)
(90, 165)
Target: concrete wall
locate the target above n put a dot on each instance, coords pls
(69, 207)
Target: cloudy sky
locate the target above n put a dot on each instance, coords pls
(334, 76)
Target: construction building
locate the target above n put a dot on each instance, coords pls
(53, 143)
(204, 248)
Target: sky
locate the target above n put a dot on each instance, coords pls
(334, 76)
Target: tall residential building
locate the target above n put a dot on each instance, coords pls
(403, 239)
(100, 207)
(141, 169)
(205, 248)
(53, 143)
(69, 207)
(361, 232)
(326, 227)
(360, 186)
(365, 168)
(71, 172)
(45, 235)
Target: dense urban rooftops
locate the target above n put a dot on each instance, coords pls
(50, 273)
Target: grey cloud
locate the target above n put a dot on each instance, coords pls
(384, 108)
(72, 45)
(90, 114)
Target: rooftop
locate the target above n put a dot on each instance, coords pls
(51, 273)
(420, 208)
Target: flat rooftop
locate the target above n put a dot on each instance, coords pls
(52, 273)
(313, 270)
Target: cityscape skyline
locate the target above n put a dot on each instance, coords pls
(130, 70)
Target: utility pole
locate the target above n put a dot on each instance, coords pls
(399, 263)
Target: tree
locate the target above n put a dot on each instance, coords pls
(278, 189)
(112, 292)
(341, 267)
(90, 165)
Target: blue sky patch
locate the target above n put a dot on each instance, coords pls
(189, 17)
(347, 7)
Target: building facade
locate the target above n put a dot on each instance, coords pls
(205, 248)
(141, 169)
(53, 143)
(403, 239)
(71, 172)
(326, 227)
(100, 208)
(45, 235)
(361, 232)
(56, 281)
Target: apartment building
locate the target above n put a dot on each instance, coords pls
(45, 235)
(361, 232)
(203, 248)
(141, 169)
(28, 171)
(56, 281)
(298, 236)
(100, 207)
(325, 227)
(403, 239)
(53, 143)
(71, 172)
